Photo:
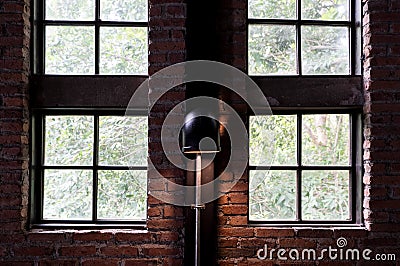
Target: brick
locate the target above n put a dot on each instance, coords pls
(161, 251)
(384, 204)
(153, 212)
(315, 233)
(15, 101)
(77, 251)
(385, 227)
(105, 262)
(256, 243)
(375, 192)
(92, 236)
(59, 262)
(395, 5)
(33, 251)
(296, 243)
(165, 223)
(234, 209)
(236, 231)
(230, 242)
(167, 237)
(385, 180)
(240, 187)
(238, 198)
(3, 252)
(18, 262)
(395, 193)
(10, 226)
(384, 16)
(172, 211)
(237, 220)
(379, 242)
(376, 5)
(46, 237)
(175, 10)
(226, 263)
(133, 236)
(141, 262)
(10, 214)
(350, 233)
(236, 252)
(274, 232)
(119, 251)
(12, 238)
(379, 85)
(172, 261)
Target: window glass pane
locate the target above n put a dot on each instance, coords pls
(272, 50)
(123, 10)
(122, 194)
(272, 195)
(326, 139)
(278, 9)
(123, 50)
(69, 50)
(123, 140)
(325, 9)
(273, 140)
(67, 194)
(69, 140)
(325, 50)
(70, 9)
(325, 195)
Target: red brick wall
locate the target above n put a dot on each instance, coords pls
(162, 243)
(238, 242)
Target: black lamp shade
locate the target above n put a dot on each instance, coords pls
(200, 134)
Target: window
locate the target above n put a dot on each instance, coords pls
(304, 55)
(301, 37)
(93, 169)
(89, 161)
(92, 37)
(311, 177)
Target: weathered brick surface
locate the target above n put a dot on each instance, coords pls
(381, 78)
(162, 243)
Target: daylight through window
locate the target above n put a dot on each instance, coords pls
(307, 37)
(95, 37)
(94, 168)
(301, 168)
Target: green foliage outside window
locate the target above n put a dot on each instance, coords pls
(325, 141)
(69, 141)
(274, 50)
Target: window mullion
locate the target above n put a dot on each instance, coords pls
(353, 162)
(95, 167)
(352, 38)
(97, 38)
(299, 171)
(298, 39)
(41, 127)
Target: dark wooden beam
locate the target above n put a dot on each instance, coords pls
(83, 91)
(304, 92)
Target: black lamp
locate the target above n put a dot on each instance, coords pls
(200, 134)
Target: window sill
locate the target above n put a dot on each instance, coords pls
(96, 227)
(88, 235)
(309, 226)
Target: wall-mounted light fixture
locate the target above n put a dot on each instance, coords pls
(200, 134)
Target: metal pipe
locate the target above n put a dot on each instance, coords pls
(198, 207)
